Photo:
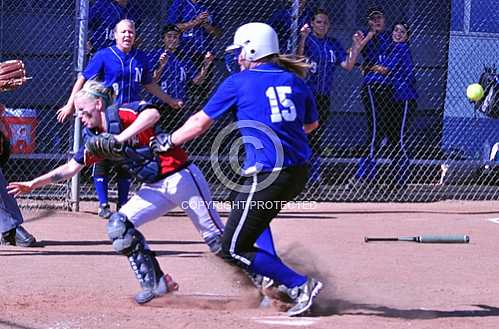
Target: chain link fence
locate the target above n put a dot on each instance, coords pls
(42, 34)
(447, 143)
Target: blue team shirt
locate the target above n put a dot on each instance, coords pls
(399, 61)
(125, 73)
(282, 22)
(103, 17)
(324, 55)
(374, 53)
(276, 98)
(196, 39)
(176, 76)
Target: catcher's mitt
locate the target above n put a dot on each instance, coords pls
(12, 75)
(105, 146)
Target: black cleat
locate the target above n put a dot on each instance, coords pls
(18, 237)
(24, 238)
(8, 238)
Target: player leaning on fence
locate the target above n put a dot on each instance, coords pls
(123, 134)
(377, 94)
(398, 68)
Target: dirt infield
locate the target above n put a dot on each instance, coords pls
(75, 280)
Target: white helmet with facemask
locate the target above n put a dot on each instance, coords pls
(257, 40)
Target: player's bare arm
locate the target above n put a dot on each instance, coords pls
(379, 69)
(309, 127)
(146, 119)
(163, 59)
(365, 38)
(155, 90)
(64, 112)
(60, 173)
(304, 33)
(195, 126)
(354, 51)
(213, 30)
(197, 21)
(210, 28)
(201, 76)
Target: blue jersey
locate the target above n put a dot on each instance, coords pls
(282, 22)
(270, 97)
(324, 54)
(399, 61)
(103, 17)
(374, 54)
(195, 39)
(177, 73)
(124, 72)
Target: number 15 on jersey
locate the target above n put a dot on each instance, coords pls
(279, 96)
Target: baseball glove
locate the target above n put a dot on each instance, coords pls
(105, 146)
(12, 75)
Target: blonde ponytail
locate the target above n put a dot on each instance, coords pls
(295, 64)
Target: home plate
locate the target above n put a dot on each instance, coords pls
(285, 321)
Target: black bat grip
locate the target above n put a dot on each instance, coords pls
(368, 239)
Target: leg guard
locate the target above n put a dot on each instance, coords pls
(130, 242)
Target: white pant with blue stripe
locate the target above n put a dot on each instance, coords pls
(186, 189)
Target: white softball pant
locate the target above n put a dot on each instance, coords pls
(186, 189)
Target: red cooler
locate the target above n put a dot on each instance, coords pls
(22, 125)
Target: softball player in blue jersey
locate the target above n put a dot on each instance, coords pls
(398, 66)
(174, 74)
(173, 71)
(273, 105)
(377, 92)
(125, 69)
(197, 24)
(324, 54)
(282, 19)
(103, 17)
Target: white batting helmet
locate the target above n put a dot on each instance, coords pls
(257, 39)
